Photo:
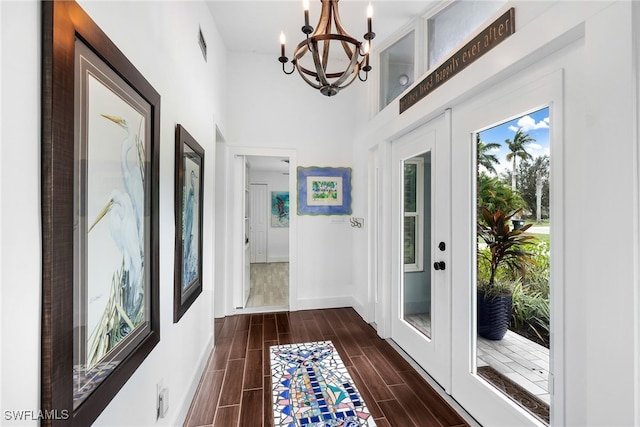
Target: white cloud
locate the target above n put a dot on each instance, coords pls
(527, 123)
(535, 146)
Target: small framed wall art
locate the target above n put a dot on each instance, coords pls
(280, 209)
(324, 191)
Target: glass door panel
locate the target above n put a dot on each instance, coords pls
(513, 260)
(417, 243)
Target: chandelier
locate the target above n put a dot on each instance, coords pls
(311, 55)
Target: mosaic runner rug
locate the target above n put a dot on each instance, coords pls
(312, 388)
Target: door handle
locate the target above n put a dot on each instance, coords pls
(439, 265)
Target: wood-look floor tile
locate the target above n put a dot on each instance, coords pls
(256, 319)
(239, 345)
(203, 410)
(255, 336)
(270, 330)
(228, 328)
(396, 415)
(282, 322)
(371, 379)
(413, 407)
(227, 416)
(285, 339)
(382, 422)
(371, 403)
(268, 402)
(220, 354)
(253, 370)
(251, 411)
(266, 357)
(236, 389)
(431, 399)
(244, 320)
(232, 386)
(384, 368)
(398, 362)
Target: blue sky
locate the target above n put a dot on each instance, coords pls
(536, 124)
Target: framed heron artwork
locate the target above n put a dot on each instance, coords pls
(324, 191)
(100, 160)
(189, 181)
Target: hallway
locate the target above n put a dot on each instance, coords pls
(235, 389)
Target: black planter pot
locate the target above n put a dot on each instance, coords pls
(494, 314)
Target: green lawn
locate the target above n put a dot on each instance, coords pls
(544, 223)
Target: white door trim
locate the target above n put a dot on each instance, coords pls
(235, 234)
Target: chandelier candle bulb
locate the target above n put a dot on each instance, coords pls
(369, 16)
(282, 41)
(306, 29)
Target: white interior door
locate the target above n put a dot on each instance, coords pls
(421, 285)
(258, 217)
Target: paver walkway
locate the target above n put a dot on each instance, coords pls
(519, 359)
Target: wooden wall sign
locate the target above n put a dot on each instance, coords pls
(489, 38)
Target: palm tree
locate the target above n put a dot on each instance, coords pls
(485, 158)
(517, 149)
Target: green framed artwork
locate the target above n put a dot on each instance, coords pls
(280, 209)
(324, 191)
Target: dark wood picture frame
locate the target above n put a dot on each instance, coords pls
(67, 29)
(189, 197)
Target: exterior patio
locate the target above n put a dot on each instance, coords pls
(522, 361)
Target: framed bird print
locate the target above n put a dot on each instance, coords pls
(188, 208)
(100, 154)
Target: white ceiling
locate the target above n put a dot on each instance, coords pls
(254, 26)
(268, 164)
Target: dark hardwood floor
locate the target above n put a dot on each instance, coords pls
(235, 389)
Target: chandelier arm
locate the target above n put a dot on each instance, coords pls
(293, 67)
(366, 75)
(341, 31)
(325, 19)
(321, 71)
(353, 68)
(351, 80)
(308, 81)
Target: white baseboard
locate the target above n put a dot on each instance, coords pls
(278, 259)
(181, 417)
(320, 303)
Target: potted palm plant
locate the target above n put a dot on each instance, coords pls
(506, 249)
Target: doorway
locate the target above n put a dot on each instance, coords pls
(268, 214)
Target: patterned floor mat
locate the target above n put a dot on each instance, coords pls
(312, 388)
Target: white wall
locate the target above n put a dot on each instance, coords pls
(277, 237)
(20, 203)
(270, 109)
(160, 39)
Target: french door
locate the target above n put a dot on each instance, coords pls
(480, 396)
(421, 232)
